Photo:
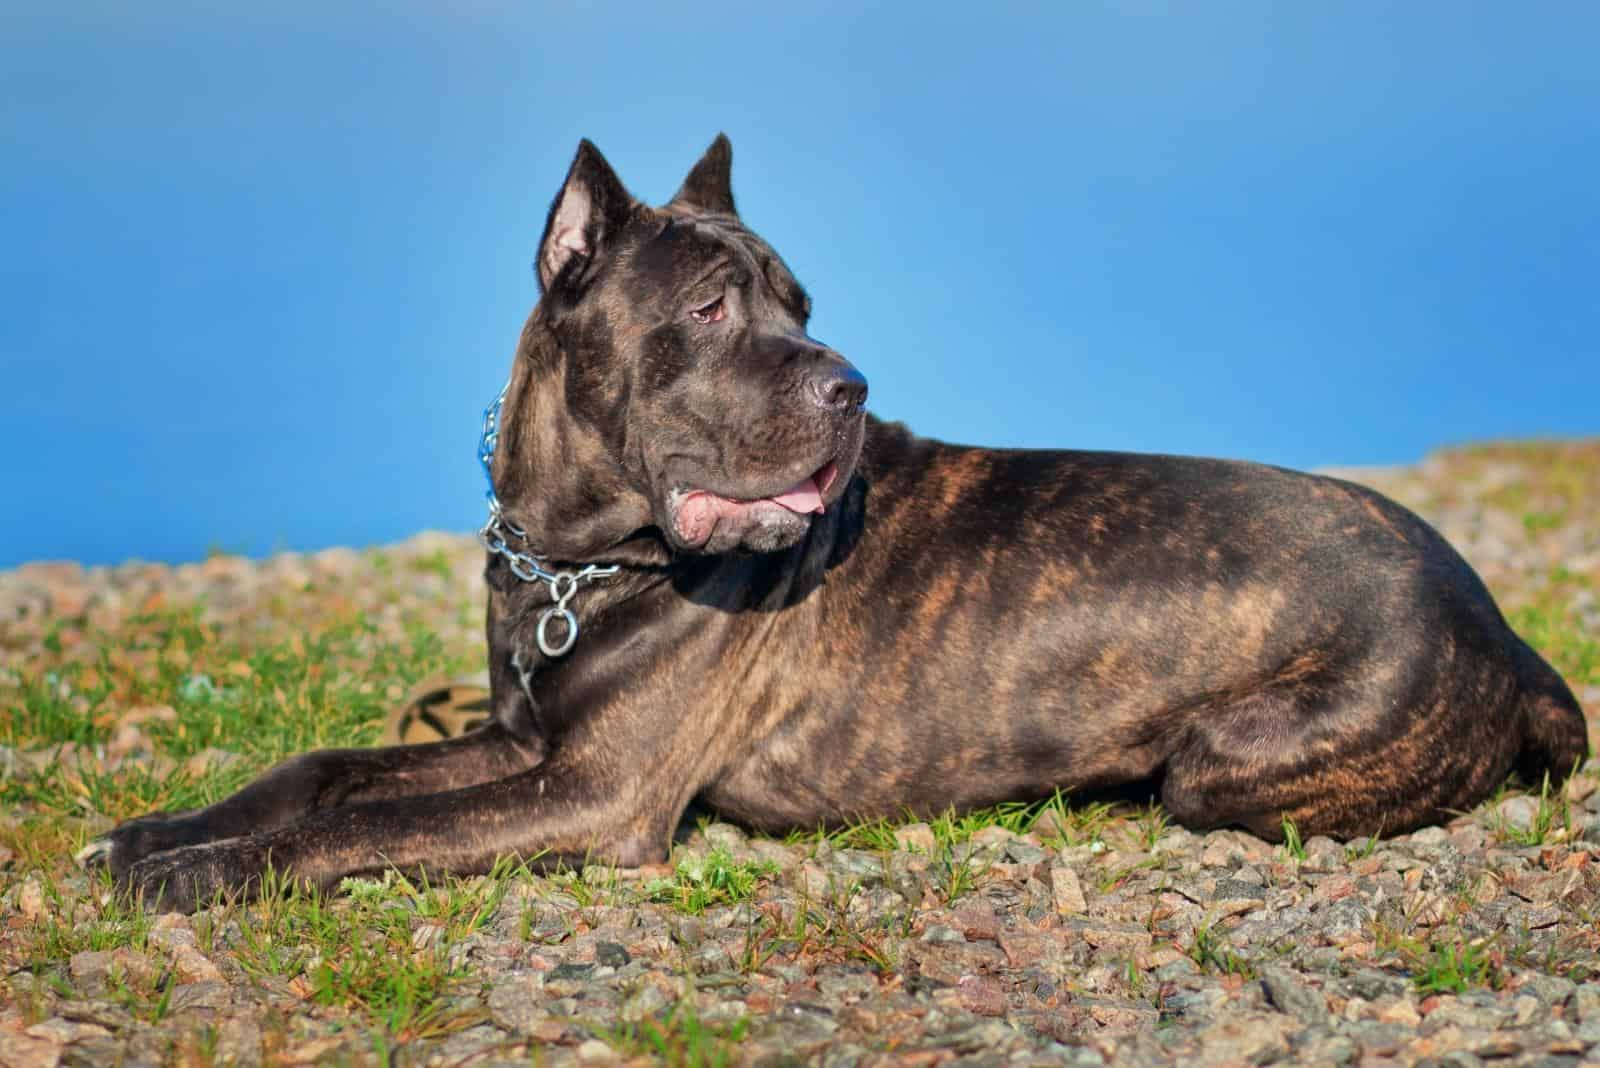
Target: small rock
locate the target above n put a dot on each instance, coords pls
(193, 966)
(855, 867)
(1525, 1009)
(1025, 947)
(1372, 984)
(1233, 897)
(1399, 1011)
(688, 930)
(1111, 935)
(1224, 849)
(1117, 1015)
(518, 1004)
(813, 880)
(64, 1032)
(1334, 1049)
(140, 714)
(1246, 1039)
(1182, 968)
(977, 920)
(126, 740)
(594, 1051)
(1287, 993)
(316, 1051)
(1323, 854)
(30, 899)
(1552, 990)
(1586, 1002)
(188, 997)
(772, 852)
(1066, 892)
(916, 838)
(993, 836)
(611, 955)
(725, 836)
(981, 995)
(1021, 852)
(92, 967)
(1249, 876)
(25, 1051)
(209, 760)
(643, 1002)
(1519, 813)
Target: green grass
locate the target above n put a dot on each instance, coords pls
(1448, 963)
(1551, 813)
(1362, 848)
(382, 948)
(435, 563)
(1212, 953)
(825, 929)
(1536, 523)
(1054, 819)
(263, 700)
(678, 1038)
(957, 869)
(72, 925)
(698, 883)
(1293, 847)
(380, 951)
(1551, 624)
(1153, 823)
(302, 673)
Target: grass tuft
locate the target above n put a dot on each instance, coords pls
(698, 883)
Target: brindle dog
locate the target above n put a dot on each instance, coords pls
(820, 616)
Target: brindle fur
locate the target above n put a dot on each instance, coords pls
(962, 626)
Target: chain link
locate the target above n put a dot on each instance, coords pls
(526, 566)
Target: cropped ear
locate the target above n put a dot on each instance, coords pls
(709, 187)
(591, 207)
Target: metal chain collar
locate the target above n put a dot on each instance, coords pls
(527, 567)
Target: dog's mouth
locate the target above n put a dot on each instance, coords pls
(697, 514)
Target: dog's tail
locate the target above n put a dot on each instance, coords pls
(1555, 736)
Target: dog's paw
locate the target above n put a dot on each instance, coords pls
(192, 877)
(120, 848)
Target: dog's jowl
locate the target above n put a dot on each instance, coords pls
(815, 616)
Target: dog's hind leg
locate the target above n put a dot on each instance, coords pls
(325, 779)
(1349, 761)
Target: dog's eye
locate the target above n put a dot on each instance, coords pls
(709, 313)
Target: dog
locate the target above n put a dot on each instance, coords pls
(714, 577)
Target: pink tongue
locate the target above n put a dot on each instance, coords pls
(804, 497)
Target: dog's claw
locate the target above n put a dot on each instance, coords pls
(97, 854)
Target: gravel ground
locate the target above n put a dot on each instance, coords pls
(1087, 936)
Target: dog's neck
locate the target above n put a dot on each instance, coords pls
(565, 502)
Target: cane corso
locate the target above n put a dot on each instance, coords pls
(816, 616)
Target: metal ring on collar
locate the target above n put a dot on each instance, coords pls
(541, 635)
(563, 584)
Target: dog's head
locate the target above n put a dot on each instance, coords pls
(665, 381)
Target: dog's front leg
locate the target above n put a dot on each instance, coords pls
(320, 780)
(570, 809)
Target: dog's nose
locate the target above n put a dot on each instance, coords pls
(839, 388)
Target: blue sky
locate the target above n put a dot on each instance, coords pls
(262, 270)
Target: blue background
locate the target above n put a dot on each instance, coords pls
(262, 270)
